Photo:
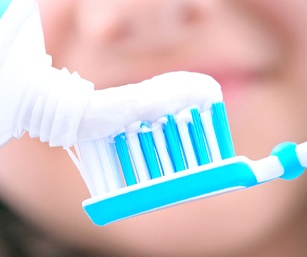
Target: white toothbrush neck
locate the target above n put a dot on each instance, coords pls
(301, 151)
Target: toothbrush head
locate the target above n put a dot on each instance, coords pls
(152, 165)
(180, 157)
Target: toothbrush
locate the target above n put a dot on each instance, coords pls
(148, 164)
(180, 157)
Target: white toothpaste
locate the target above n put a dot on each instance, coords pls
(114, 108)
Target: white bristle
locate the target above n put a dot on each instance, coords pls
(85, 174)
(210, 135)
(182, 120)
(138, 157)
(160, 143)
(109, 164)
(90, 161)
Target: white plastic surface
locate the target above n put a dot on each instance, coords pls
(301, 151)
(267, 168)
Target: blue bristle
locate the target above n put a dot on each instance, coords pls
(222, 131)
(124, 158)
(198, 138)
(149, 151)
(173, 143)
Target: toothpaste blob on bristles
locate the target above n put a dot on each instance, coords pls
(148, 100)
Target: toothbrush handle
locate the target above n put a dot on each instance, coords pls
(203, 181)
(293, 158)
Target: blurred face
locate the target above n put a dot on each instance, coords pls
(257, 50)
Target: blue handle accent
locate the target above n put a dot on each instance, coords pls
(287, 156)
(4, 4)
(169, 191)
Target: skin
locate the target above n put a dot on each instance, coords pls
(255, 49)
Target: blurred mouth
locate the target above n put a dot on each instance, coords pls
(233, 81)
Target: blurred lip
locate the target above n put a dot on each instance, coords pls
(233, 80)
(227, 75)
(230, 80)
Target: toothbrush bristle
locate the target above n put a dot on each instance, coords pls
(147, 151)
(125, 159)
(222, 131)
